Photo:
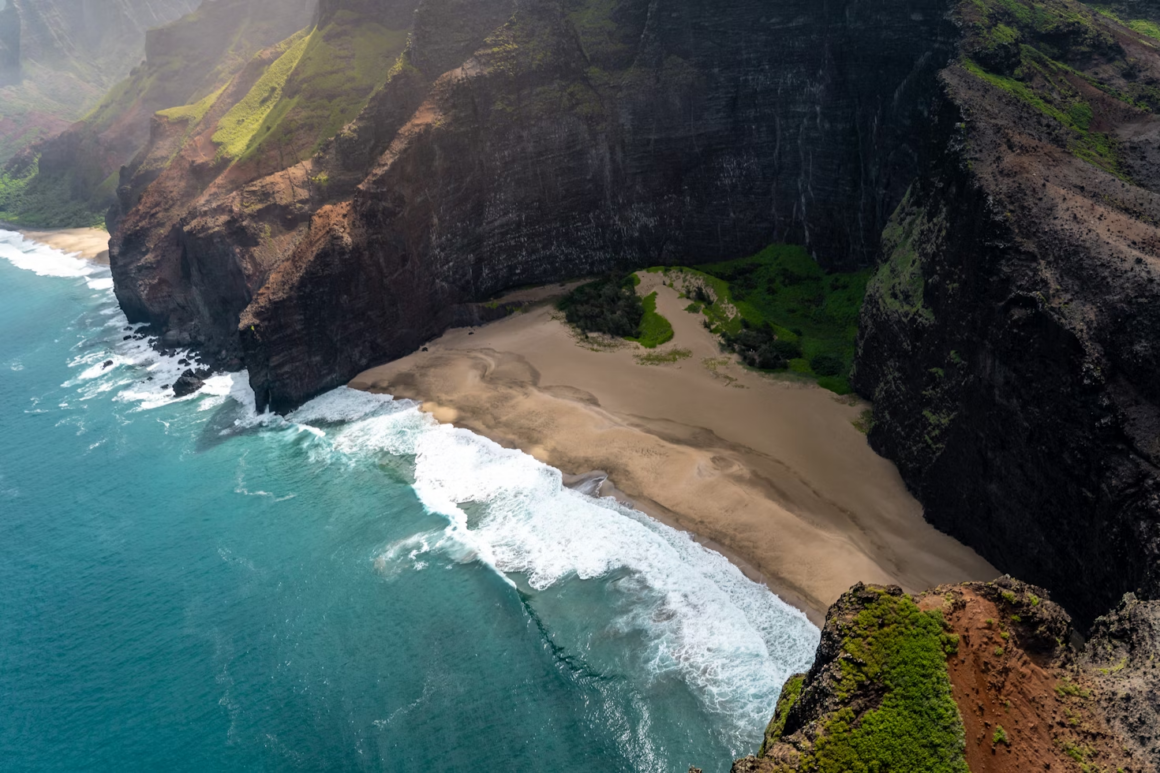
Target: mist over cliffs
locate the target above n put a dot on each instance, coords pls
(58, 57)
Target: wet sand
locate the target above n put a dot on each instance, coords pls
(89, 243)
(770, 472)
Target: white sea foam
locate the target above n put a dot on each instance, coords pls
(46, 261)
(731, 640)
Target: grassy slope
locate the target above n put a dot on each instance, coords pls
(783, 286)
(893, 649)
(1023, 48)
(319, 84)
(238, 130)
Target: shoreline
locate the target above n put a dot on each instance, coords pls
(88, 243)
(769, 472)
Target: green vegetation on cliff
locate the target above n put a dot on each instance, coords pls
(894, 707)
(320, 82)
(898, 285)
(238, 130)
(28, 199)
(1035, 51)
(790, 693)
(1147, 27)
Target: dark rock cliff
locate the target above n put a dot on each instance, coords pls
(1123, 655)
(582, 136)
(1008, 342)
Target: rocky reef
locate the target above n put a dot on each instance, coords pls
(973, 677)
(1008, 341)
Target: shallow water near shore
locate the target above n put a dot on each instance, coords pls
(191, 586)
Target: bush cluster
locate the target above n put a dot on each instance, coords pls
(608, 305)
(760, 347)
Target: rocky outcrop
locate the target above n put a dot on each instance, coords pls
(1123, 657)
(973, 677)
(1008, 341)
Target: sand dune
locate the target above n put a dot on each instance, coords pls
(772, 473)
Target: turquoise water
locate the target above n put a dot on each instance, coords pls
(186, 585)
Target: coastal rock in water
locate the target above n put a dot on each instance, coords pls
(187, 384)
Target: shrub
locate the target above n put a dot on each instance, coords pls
(608, 306)
(788, 350)
(896, 651)
(827, 365)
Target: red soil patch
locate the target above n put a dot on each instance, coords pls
(1045, 707)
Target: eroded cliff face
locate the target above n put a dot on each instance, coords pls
(71, 178)
(225, 188)
(1008, 342)
(578, 137)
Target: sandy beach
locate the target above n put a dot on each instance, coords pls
(772, 473)
(89, 243)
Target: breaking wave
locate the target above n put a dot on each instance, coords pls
(732, 641)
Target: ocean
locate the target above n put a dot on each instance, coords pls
(188, 585)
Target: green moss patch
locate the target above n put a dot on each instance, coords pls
(654, 328)
(238, 129)
(898, 651)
